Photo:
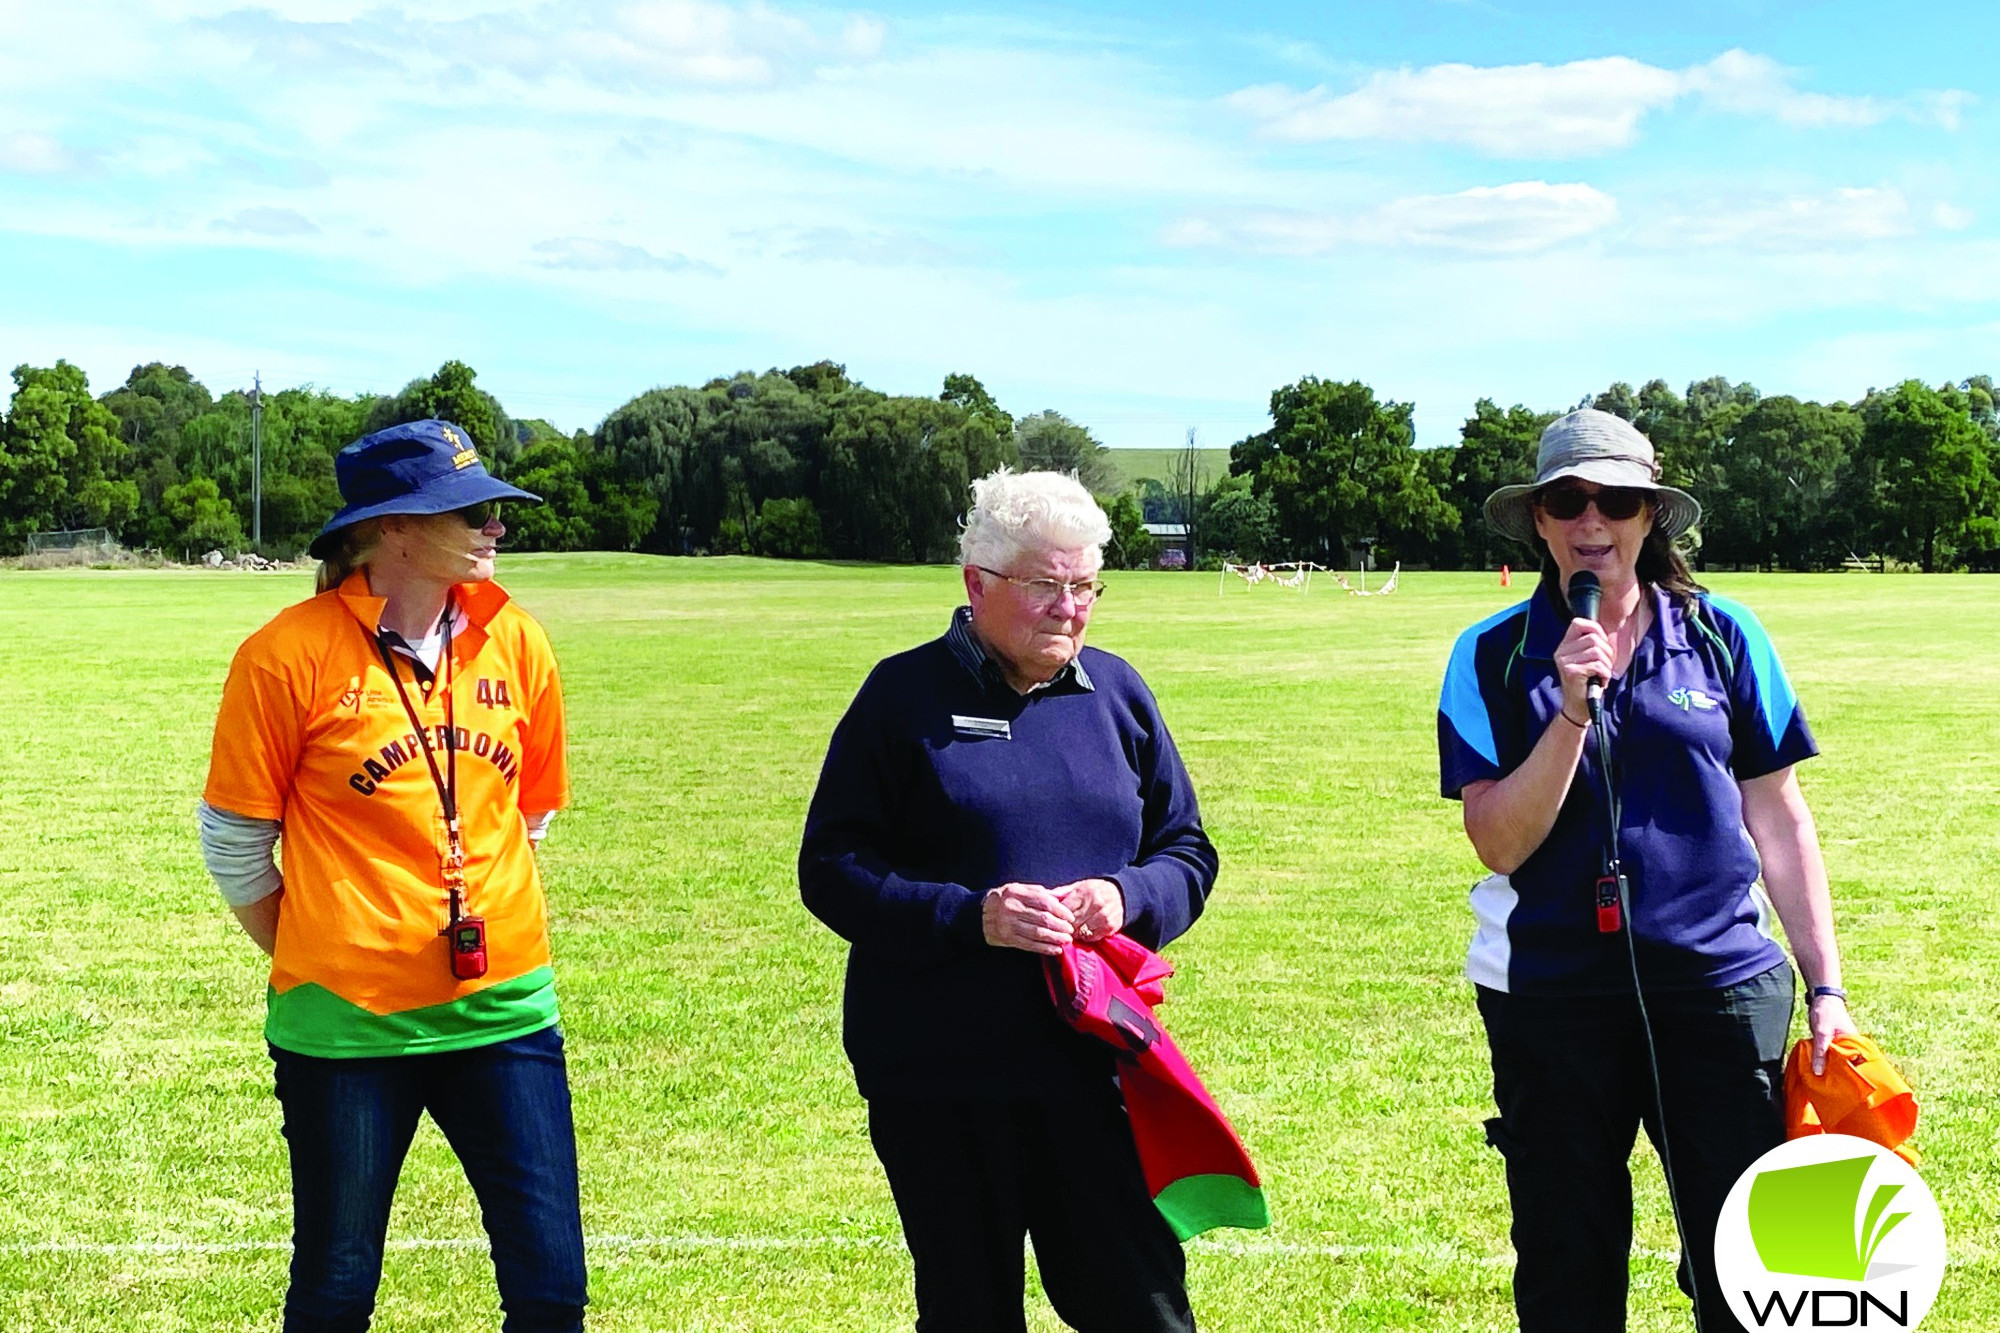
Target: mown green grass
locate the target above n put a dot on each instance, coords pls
(1134, 464)
(1320, 995)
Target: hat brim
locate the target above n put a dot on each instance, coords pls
(1511, 509)
(441, 497)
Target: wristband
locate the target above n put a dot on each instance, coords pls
(1836, 992)
(1580, 726)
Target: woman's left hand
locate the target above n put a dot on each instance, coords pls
(1099, 905)
(1827, 1018)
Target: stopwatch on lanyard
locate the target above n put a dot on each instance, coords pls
(465, 934)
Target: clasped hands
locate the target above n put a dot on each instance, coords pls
(1043, 920)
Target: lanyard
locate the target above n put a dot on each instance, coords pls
(1613, 892)
(445, 781)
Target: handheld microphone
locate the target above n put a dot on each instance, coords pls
(1586, 594)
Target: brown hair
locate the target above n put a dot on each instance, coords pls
(356, 544)
(1661, 564)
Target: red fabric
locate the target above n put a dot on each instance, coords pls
(1108, 990)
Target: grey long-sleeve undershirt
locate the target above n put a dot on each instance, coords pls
(238, 850)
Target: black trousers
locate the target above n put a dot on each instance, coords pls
(1572, 1083)
(971, 1178)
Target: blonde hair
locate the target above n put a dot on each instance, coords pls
(356, 544)
(1016, 512)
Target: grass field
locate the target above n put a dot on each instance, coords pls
(728, 1184)
(1132, 464)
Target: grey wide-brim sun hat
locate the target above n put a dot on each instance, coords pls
(1594, 446)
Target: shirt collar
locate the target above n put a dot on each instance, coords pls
(1548, 621)
(972, 655)
(425, 653)
(478, 603)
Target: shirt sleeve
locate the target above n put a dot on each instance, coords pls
(1767, 724)
(847, 873)
(259, 731)
(237, 850)
(1168, 884)
(544, 742)
(1467, 729)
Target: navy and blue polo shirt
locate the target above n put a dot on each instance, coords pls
(1702, 706)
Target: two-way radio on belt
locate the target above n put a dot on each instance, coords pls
(465, 934)
(1614, 916)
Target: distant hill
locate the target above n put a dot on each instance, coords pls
(1133, 464)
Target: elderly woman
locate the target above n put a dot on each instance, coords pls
(402, 732)
(990, 797)
(1666, 1001)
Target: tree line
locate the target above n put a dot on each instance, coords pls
(810, 463)
(1909, 473)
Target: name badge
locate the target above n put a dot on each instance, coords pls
(982, 726)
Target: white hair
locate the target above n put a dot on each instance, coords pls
(1014, 513)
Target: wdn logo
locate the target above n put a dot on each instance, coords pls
(1830, 1232)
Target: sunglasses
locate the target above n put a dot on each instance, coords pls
(1616, 503)
(479, 515)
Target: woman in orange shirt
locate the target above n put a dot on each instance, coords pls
(402, 734)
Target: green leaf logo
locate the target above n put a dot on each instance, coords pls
(1805, 1220)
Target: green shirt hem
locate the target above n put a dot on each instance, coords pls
(312, 1020)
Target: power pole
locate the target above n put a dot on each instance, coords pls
(257, 462)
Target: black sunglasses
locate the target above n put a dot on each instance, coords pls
(479, 515)
(1616, 503)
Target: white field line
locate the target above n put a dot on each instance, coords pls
(755, 1244)
(1436, 1252)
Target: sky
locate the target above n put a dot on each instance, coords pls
(1144, 216)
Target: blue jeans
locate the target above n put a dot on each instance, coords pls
(505, 1111)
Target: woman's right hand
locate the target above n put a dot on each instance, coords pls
(1583, 655)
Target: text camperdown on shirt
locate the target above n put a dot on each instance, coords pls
(311, 732)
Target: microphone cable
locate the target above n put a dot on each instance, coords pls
(1613, 810)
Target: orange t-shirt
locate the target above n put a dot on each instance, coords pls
(311, 732)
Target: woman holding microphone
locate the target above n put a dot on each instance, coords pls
(1624, 961)
(402, 734)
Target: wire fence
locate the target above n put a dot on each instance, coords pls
(72, 539)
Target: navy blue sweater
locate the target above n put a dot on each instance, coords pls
(917, 815)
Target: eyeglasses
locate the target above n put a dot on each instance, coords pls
(1616, 503)
(1049, 591)
(479, 515)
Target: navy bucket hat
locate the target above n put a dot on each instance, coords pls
(419, 467)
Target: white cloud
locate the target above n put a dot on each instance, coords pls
(1951, 217)
(1800, 222)
(1570, 110)
(579, 252)
(877, 249)
(1586, 106)
(1515, 219)
(703, 42)
(36, 154)
(1752, 85)
(277, 222)
(1010, 178)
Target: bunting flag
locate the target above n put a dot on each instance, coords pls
(1196, 1169)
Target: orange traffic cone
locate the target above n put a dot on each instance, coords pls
(1506, 577)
